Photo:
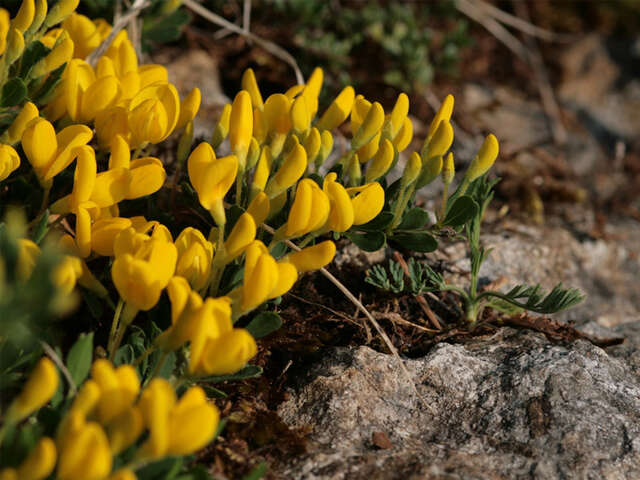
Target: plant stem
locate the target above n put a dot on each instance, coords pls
(144, 355)
(158, 366)
(114, 325)
(443, 207)
(127, 318)
(218, 264)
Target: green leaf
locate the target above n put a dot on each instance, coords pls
(461, 211)
(414, 219)
(124, 355)
(79, 358)
(382, 221)
(368, 241)
(42, 228)
(46, 91)
(34, 52)
(415, 241)
(213, 392)
(257, 473)
(166, 469)
(263, 324)
(167, 29)
(13, 93)
(250, 371)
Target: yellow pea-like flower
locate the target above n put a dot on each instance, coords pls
(15, 46)
(28, 254)
(212, 320)
(222, 127)
(78, 76)
(249, 84)
(87, 398)
(99, 96)
(17, 128)
(156, 403)
(366, 152)
(212, 178)
(38, 17)
(9, 161)
(443, 113)
(25, 15)
(367, 202)
(259, 281)
(448, 169)
(36, 392)
(300, 115)
(187, 313)
(241, 126)
(110, 123)
(312, 90)
(326, 148)
(412, 169)
(276, 114)
(398, 114)
(153, 113)
(104, 232)
(61, 54)
(189, 108)
(227, 354)
(4, 29)
(341, 213)
(294, 91)
(66, 273)
(439, 143)
(309, 211)
(147, 177)
(371, 125)
(292, 168)
(381, 161)
(60, 11)
(484, 160)
(8, 474)
(85, 455)
(338, 111)
(359, 111)
(125, 429)
(195, 254)
(314, 257)
(193, 421)
(242, 234)
(40, 462)
(403, 138)
(259, 208)
(312, 144)
(119, 388)
(84, 34)
(262, 171)
(287, 276)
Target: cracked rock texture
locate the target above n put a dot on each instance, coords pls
(509, 405)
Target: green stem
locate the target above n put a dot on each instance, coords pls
(127, 317)
(144, 355)
(158, 366)
(400, 205)
(114, 325)
(443, 207)
(218, 263)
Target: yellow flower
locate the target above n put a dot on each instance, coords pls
(312, 90)
(371, 125)
(189, 108)
(85, 454)
(439, 143)
(9, 161)
(38, 17)
(26, 115)
(250, 85)
(341, 213)
(15, 46)
(186, 315)
(60, 11)
(293, 167)
(312, 258)
(222, 127)
(119, 388)
(309, 211)
(300, 115)
(212, 177)
(259, 208)
(448, 169)
(153, 113)
(105, 230)
(84, 33)
(125, 429)
(25, 15)
(338, 111)
(312, 144)
(443, 113)
(402, 140)
(36, 392)
(241, 126)
(484, 160)
(381, 161)
(40, 462)
(87, 398)
(49, 153)
(242, 234)
(67, 273)
(156, 403)
(60, 55)
(228, 353)
(398, 114)
(195, 254)
(367, 201)
(260, 277)
(193, 422)
(28, 253)
(123, 474)
(276, 114)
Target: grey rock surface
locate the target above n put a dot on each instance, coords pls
(509, 405)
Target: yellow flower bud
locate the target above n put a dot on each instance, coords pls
(38, 17)
(104, 232)
(66, 273)
(276, 114)
(119, 388)
(187, 313)
(193, 420)
(4, 29)
(448, 169)
(60, 54)
(250, 85)
(15, 46)
(293, 167)
(254, 153)
(189, 108)
(222, 127)
(325, 149)
(213, 319)
(241, 126)
(341, 214)
(312, 90)
(125, 429)
(312, 144)
(484, 160)
(412, 169)
(153, 113)
(263, 168)
(36, 392)
(361, 107)
(366, 152)
(9, 161)
(300, 115)
(439, 143)
(86, 455)
(381, 162)
(398, 114)
(259, 281)
(84, 34)
(147, 177)
(195, 254)
(28, 253)
(87, 398)
(371, 125)
(243, 233)
(60, 11)
(259, 208)
(367, 202)
(309, 211)
(287, 276)
(156, 403)
(40, 462)
(25, 15)
(17, 128)
(430, 171)
(227, 354)
(212, 178)
(403, 138)
(338, 111)
(443, 113)
(313, 258)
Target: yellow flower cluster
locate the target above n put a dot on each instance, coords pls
(108, 415)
